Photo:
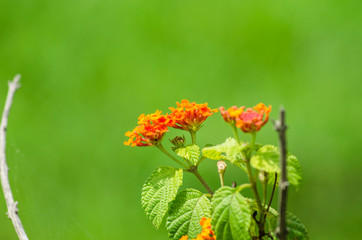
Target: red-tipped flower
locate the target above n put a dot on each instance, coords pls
(254, 118)
(249, 120)
(149, 131)
(189, 116)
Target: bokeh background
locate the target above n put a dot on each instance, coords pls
(90, 67)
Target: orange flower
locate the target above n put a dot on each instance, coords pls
(231, 114)
(205, 222)
(189, 116)
(252, 120)
(206, 233)
(150, 130)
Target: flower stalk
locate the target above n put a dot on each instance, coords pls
(193, 136)
(254, 187)
(235, 130)
(194, 171)
(160, 146)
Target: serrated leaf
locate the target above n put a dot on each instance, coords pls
(160, 189)
(229, 150)
(190, 152)
(231, 215)
(294, 170)
(186, 212)
(266, 159)
(242, 166)
(295, 227)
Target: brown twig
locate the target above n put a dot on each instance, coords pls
(281, 128)
(13, 212)
(272, 194)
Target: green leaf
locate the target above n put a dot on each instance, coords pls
(189, 152)
(186, 212)
(229, 150)
(253, 230)
(272, 179)
(295, 227)
(160, 189)
(266, 159)
(231, 215)
(294, 170)
(242, 166)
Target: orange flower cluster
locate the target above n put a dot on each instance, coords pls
(189, 116)
(151, 128)
(149, 131)
(249, 121)
(206, 233)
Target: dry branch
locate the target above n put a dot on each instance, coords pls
(9, 199)
(281, 128)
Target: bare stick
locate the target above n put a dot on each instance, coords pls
(280, 127)
(10, 203)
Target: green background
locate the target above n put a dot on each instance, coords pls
(90, 67)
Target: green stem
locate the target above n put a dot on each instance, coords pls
(200, 161)
(235, 130)
(272, 194)
(197, 174)
(242, 187)
(193, 136)
(254, 187)
(221, 175)
(159, 146)
(252, 143)
(192, 169)
(257, 198)
(265, 192)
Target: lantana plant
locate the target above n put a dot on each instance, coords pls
(224, 214)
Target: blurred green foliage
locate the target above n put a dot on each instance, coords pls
(91, 67)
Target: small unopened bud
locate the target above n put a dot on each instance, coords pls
(221, 166)
(263, 176)
(178, 141)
